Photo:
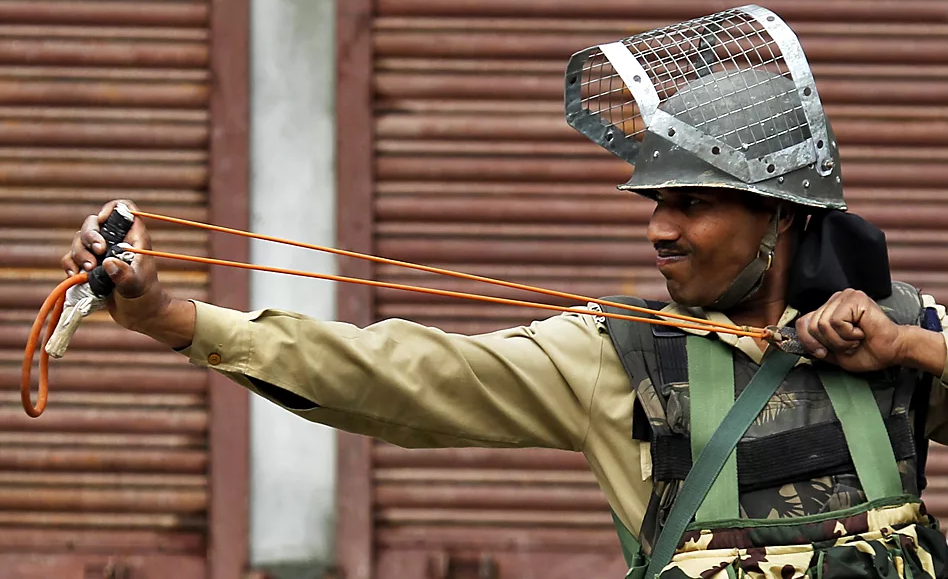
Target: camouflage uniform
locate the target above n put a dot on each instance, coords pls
(870, 541)
(807, 524)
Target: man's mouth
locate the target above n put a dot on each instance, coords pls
(667, 258)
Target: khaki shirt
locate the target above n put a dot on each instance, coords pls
(557, 383)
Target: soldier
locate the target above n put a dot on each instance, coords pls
(749, 228)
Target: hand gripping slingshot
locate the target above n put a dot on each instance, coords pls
(81, 294)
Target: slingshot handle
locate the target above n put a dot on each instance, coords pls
(114, 230)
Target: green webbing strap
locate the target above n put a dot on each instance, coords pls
(865, 432)
(631, 549)
(709, 463)
(711, 388)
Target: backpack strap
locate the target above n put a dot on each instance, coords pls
(866, 435)
(711, 374)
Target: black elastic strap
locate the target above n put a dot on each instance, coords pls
(672, 352)
(786, 457)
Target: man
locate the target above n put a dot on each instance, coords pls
(733, 247)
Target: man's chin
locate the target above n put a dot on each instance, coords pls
(683, 297)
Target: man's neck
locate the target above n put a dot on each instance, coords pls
(758, 313)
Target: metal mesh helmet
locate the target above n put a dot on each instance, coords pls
(726, 100)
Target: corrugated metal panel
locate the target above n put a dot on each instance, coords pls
(101, 100)
(477, 170)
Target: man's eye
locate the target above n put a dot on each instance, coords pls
(692, 201)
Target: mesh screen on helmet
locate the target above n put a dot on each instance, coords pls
(733, 87)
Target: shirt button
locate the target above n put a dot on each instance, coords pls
(214, 359)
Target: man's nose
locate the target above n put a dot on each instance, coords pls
(662, 227)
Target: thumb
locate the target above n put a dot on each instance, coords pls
(123, 275)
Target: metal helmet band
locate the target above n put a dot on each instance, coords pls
(726, 100)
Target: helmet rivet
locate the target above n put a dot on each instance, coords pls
(806, 184)
(829, 164)
(780, 179)
(839, 179)
(655, 155)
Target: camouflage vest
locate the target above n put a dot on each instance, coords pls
(793, 461)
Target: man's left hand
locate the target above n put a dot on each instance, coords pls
(852, 332)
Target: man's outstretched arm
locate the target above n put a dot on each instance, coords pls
(399, 381)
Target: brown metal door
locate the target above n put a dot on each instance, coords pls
(470, 165)
(103, 100)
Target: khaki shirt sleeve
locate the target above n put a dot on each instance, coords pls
(937, 423)
(412, 385)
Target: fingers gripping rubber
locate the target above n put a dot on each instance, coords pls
(114, 230)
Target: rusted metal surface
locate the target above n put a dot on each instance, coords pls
(86, 114)
(66, 440)
(182, 13)
(537, 46)
(229, 206)
(102, 174)
(355, 555)
(132, 566)
(104, 500)
(893, 11)
(106, 542)
(20, 213)
(619, 26)
(96, 53)
(65, 419)
(103, 460)
(102, 93)
(74, 134)
(103, 100)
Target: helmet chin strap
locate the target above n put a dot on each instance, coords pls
(749, 281)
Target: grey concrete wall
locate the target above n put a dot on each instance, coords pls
(292, 196)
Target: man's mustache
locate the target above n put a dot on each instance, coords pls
(669, 249)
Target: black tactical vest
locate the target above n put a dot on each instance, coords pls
(793, 461)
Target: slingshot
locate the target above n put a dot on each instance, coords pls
(56, 341)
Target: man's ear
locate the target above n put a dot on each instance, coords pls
(788, 217)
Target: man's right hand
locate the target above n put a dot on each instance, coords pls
(139, 301)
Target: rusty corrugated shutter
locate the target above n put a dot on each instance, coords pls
(101, 100)
(477, 170)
